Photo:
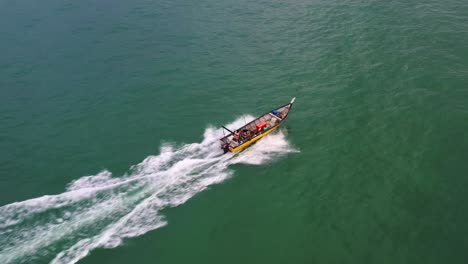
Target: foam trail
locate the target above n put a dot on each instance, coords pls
(102, 210)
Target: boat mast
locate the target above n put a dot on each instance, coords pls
(227, 130)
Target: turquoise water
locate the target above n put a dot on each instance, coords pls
(110, 111)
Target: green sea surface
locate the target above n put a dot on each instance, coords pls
(110, 111)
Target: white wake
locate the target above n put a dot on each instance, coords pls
(101, 210)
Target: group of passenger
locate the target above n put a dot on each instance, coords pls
(242, 136)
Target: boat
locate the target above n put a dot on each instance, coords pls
(253, 131)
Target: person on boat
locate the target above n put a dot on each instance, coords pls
(244, 134)
(225, 147)
(236, 136)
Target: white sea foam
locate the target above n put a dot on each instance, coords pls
(102, 210)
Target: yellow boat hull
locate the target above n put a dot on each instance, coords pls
(253, 140)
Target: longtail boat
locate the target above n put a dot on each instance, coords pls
(251, 132)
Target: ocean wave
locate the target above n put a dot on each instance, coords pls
(102, 210)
